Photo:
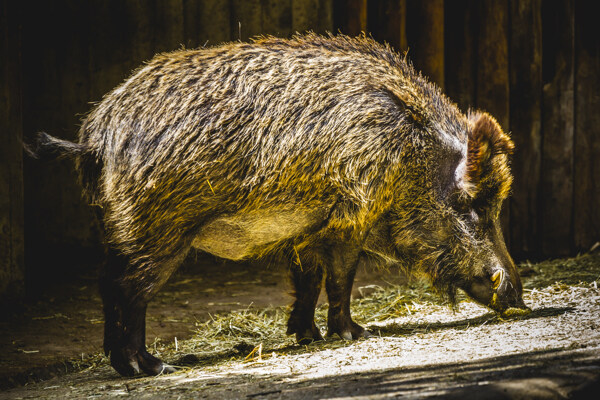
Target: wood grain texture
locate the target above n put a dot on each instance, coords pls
(425, 35)
(525, 125)
(246, 19)
(350, 16)
(277, 17)
(56, 92)
(305, 15)
(325, 22)
(387, 22)
(460, 48)
(206, 22)
(169, 25)
(558, 124)
(492, 93)
(12, 270)
(586, 199)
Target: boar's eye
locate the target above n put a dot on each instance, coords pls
(461, 202)
(472, 216)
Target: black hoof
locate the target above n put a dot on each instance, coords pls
(128, 363)
(308, 336)
(304, 334)
(351, 331)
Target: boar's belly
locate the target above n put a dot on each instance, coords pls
(243, 235)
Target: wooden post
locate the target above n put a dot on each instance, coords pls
(11, 163)
(246, 19)
(556, 197)
(277, 18)
(460, 52)
(305, 15)
(525, 125)
(313, 15)
(59, 225)
(122, 36)
(350, 16)
(325, 20)
(207, 23)
(492, 93)
(425, 33)
(387, 22)
(168, 25)
(587, 127)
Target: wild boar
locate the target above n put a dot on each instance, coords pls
(326, 150)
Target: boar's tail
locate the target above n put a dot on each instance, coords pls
(49, 147)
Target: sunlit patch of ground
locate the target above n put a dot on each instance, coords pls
(422, 349)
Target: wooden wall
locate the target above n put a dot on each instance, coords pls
(533, 64)
(11, 160)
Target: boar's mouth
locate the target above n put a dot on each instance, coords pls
(497, 293)
(505, 296)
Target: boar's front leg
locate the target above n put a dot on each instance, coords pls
(340, 271)
(307, 281)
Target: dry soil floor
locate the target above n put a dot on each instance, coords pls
(429, 351)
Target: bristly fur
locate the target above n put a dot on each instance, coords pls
(487, 161)
(49, 147)
(321, 149)
(345, 124)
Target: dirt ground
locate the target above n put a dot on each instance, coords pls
(425, 350)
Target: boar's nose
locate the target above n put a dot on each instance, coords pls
(506, 295)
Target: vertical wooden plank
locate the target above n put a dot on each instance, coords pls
(425, 34)
(277, 17)
(104, 30)
(525, 125)
(11, 162)
(350, 16)
(492, 52)
(168, 25)
(305, 15)
(558, 127)
(325, 20)
(206, 23)
(246, 19)
(122, 35)
(192, 11)
(587, 127)
(214, 22)
(387, 22)
(492, 92)
(76, 219)
(59, 226)
(460, 47)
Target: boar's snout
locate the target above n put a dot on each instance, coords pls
(507, 291)
(500, 291)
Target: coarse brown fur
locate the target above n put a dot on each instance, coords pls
(244, 144)
(210, 143)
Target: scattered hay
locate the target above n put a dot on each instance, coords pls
(253, 334)
(246, 353)
(570, 271)
(256, 334)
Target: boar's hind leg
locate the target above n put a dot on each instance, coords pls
(307, 282)
(340, 272)
(125, 321)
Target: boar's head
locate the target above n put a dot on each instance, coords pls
(455, 238)
(495, 282)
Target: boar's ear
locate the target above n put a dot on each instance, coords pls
(488, 172)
